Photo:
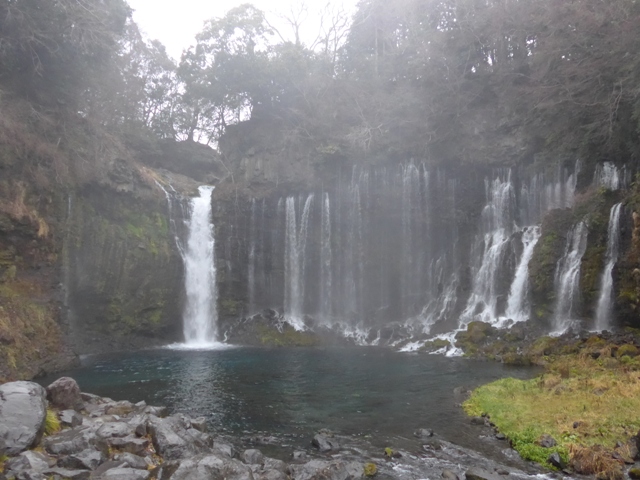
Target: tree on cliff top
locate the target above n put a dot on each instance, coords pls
(53, 50)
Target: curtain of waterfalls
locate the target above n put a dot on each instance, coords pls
(383, 246)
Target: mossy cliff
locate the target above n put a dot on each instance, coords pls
(88, 260)
(592, 206)
(124, 272)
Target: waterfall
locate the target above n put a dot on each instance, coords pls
(498, 225)
(567, 278)
(251, 273)
(200, 315)
(518, 301)
(326, 292)
(381, 256)
(607, 175)
(295, 245)
(603, 311)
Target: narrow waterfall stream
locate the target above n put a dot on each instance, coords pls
(567, 278)
(518, 308)
(200, 314)
(603, 310)
(295, 245)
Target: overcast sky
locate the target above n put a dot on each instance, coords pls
(176, 22)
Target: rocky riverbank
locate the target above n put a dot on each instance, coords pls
(62, 433)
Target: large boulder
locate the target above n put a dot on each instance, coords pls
(324, 443)
(68, 442)
(23, 409)
(171, 437)
(88, 459)
(476, 473)
(28, 460)
(64, 394)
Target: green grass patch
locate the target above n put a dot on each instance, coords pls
(580, 401)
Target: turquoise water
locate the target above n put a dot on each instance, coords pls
(297, 391)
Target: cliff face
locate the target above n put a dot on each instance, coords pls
(123, 271)
(393, 249)
(88, 259)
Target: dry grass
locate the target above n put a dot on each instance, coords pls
(597, 461)
(28, 330)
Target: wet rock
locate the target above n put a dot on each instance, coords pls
(70, 418)
(501, 436)
(119, 408)
(274, 464)
(423, 433)
(85, 460)
(160, 412)
(324, 443)
(114, 429)
(23, 409)
(68, 442)
(432, 445)
(199, 423)
(461, 391)
(68, 474)
(270, 475)
(299, 455)
(546, 441)
(91, 398)
(124, 474)
(320, 470)
(139, 425)
(355, 469)
(64, 394)
(223, 448)
(172, 440)
(130, 444)
(108, 465)
(449, 475)
(555, 460)
(203, 438)
(477, 421)
(480, 474)
(252, 457)
(28, 460)
(132, 460)
(207, 466)
(634, 473)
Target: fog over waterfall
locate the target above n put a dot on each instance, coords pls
(379, 256)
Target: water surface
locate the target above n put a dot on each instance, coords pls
(297, 391)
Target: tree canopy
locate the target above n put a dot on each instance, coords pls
(407, 78)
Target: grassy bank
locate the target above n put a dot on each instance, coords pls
(589, 402)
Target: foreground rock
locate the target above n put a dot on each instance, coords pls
(23, 409)
(64, 394)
